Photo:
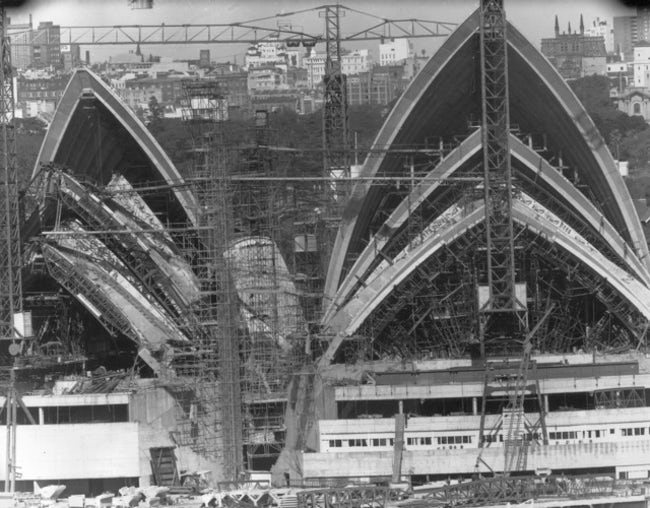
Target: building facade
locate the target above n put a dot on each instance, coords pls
(635, 102)
(380, 85)
(46, 45)
(394, 51)
(641, 65)
(576, 54)
(353, 62)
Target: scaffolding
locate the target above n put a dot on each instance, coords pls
(260, 279)
(211, 417)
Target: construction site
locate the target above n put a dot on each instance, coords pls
(460, 320)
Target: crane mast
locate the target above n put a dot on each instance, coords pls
(10, 260)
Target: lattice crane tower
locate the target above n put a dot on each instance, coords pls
(10, 260)
(335, 106)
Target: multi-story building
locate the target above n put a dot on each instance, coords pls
(204, 58)
(39, 95)
(394, 51)
(21, 40)
(576, 54)
(267, 77)
(380, 85)
(601, 28)
(167, 89)
(71, 56)
(272, 52)
(630, 30)
(641, 65)
(626, 34)
(46, 45)
(352, 62)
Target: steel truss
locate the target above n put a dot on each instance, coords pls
(496, 159)
(335, 107)
(348, 497)
(517, 489)
(10, 257)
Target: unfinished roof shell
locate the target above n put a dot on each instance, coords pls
(401, 270)
(94, 134)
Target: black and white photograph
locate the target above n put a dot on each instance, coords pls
(293, 254)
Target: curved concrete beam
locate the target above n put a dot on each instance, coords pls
(592, 158)
(605, 164)
(528, 213)
(405, 105)
(425, 187)
(533, 162)
(584, 208)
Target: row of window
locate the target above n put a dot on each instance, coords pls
(457, 441)
(410, 441)
(597, 433)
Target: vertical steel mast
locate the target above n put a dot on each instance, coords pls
(335, 107)
(10, 276)
(10, 261)
(496, 159)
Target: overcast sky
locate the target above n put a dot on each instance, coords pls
(535, 18)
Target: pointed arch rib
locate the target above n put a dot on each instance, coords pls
(432, 181)
(540, 102)
(538, 168)
(85, 85)
(527, 212)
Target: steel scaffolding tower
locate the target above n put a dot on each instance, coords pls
(214, 415)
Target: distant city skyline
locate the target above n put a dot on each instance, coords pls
(534, 18)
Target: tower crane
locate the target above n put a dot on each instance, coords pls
(502, 302)
(12, 327)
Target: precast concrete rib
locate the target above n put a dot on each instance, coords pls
(424, 188)
(115, 302)
(528, 213)
(405, 105)
(152, 261)
(582, 207)
(607, 172)
(540, 99)
(538, 167)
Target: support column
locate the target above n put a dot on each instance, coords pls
(474, 406)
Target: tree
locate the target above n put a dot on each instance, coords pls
(626, 135)
(155, 113)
